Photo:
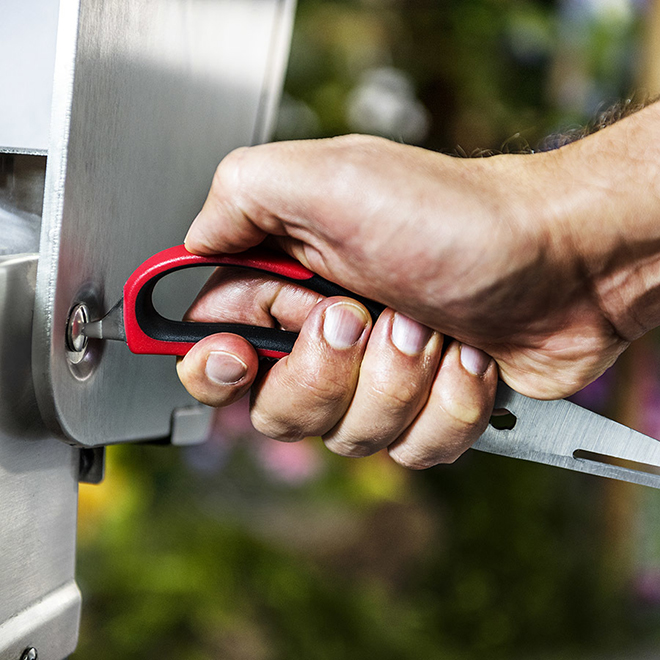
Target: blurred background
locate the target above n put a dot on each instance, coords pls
(247, 549)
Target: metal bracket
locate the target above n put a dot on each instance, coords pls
(191, 425)
(38, 491)
(148, 98)
(91, 468)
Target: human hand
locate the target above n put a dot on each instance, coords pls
(361, 388)
(515, 255)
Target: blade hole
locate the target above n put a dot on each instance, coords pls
(503, 420)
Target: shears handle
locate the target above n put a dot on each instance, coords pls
(149, 332)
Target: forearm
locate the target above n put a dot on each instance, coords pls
(605, 193)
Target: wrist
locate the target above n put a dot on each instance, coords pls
(603, 200)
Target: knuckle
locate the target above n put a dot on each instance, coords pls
(412, 460)
(351, 447)
(307, 406)
(355, 140)
(272, 427)
(427, 457)
(261, 421)
(462, 414)
(319, 389)
(352, 153)
(227, 172)
(394, 396)
(219, 176)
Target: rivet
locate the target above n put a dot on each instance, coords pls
(76, 341)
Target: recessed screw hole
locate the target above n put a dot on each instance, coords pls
(76, 341)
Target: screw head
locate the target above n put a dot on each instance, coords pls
(76, 341)
(30, 654)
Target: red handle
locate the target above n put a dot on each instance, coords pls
(149, 332)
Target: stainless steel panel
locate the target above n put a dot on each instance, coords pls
(28, 30)
(38, 492)
(21, 200)
(149, 96)
(50, 626)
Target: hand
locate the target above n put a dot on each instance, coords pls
(529, 258)
(361, 388)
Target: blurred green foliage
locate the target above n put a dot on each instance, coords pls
(488, 558)
(493, 74)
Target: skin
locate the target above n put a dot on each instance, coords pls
(548, 263)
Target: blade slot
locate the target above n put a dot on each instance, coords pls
(604, 459)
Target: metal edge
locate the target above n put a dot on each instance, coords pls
(65, 55)
(271, 92)
(51, 626)
(23, 152)
(492, 445)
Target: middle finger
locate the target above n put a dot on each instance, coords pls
(306, 392)
(396, 376)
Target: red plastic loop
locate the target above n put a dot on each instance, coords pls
(178, 257)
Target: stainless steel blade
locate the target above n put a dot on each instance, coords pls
(566, 435)
(111, 326)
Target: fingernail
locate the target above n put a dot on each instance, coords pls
(409, 336)
(343, 325)
(474, 360)
(224, 368)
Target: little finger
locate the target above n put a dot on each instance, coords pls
(456, 413)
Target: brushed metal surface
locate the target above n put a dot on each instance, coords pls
(21, 200)
(50, 626)
(551, 432)
(191, 425)
(38, 491)
(149, 96)
(28, 30)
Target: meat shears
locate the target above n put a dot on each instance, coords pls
(558, 433)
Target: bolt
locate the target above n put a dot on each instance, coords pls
(76, 341)
(30, 654)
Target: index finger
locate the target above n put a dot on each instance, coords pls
(302, 190)
(246, 199)
(222, 225)
(235, 295)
